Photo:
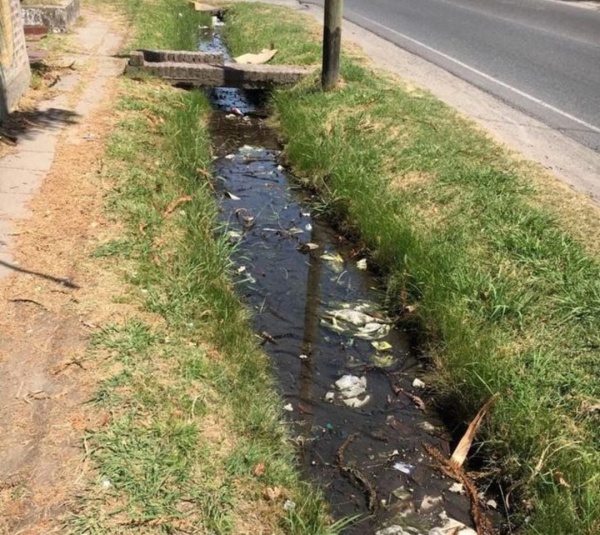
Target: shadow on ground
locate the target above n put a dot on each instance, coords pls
(63, 281)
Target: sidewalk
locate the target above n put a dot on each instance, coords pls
(50, 291)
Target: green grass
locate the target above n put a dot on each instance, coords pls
(190, 397)
(508, 299)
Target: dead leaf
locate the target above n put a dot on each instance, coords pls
(415, 399)
(174, 204)
(272, 494)
(560, 480)
(259, 469)
(263, 56)
(461, 451)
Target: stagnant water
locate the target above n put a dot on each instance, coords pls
(318, 313)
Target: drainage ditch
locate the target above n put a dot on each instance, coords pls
(348, 376)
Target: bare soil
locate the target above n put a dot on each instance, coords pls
(53, 300)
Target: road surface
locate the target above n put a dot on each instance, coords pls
(540, 56)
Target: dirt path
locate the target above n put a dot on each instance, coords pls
(52, 293)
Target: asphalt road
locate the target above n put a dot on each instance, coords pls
(540, 56)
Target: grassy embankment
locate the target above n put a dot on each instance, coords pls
(194, 442)
(507, 285)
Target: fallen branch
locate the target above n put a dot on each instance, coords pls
(174, 204)
(355, 475)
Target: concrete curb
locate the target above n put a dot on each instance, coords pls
(56, 19)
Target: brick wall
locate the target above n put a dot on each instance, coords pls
(14, 63)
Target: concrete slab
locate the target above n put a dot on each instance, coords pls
(22, 173)
(27, 160)
(20, 181)
(12, 206)
(227, 75)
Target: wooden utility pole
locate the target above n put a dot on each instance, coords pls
(332, 43)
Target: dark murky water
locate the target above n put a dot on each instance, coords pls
(317, 310)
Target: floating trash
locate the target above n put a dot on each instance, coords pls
(358, 322)
(386, 360)
(352, 390)
(417, 383)
(382, 346)
(335, 261)
(405, 468)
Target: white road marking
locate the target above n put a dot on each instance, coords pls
(484, 75)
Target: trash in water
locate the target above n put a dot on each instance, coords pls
(404, 468)
(241, 269)
(430, 502)
(236, 111)
(386, 360)
(234, 234)
(362, 264)
(308, 227)
(393, 530)
(417, 383)
(303, 357)
(231, 196)
(289, 407)
(458, 488)
(402, 494)
(216, 22)
(306, 247)
(357, 403)
(335, 261)
(351, 386)
(263, 56)
(382, 346)
(427, 426)
(351, 389)
(451, 527)
(363, 324)
(329, 397)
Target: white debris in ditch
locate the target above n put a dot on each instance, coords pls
(362, 264)
(428, 427)
(289, 407)
(234, 234)
(329, 397)
(451, 527)
(358, 321)
(492, 504)
(405, 468)
(417, 383)
(458, 488)
(335, 261)
(353, 390)
(382, 346)
(395, 530)
(430, 502)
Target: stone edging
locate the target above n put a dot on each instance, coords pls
(56, 19)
